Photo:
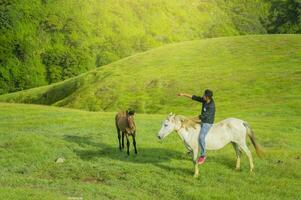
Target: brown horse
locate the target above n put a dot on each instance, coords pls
(125, 123)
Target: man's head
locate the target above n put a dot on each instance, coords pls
(208, 94)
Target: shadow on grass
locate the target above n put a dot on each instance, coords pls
(154, 156)
(223, 160)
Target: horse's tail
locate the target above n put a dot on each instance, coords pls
(251, 134)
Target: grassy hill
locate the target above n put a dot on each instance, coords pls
(46, 41)
(255, 78)
(240, 71)
(32, 137)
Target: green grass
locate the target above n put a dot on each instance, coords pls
(255, 78)
(32, 137)
(240, 70)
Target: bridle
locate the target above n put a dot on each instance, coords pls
(175, 127)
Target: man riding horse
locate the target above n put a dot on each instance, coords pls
(207, 118)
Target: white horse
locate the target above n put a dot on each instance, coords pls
(226, 131)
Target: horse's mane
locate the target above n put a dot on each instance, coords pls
(188, 122)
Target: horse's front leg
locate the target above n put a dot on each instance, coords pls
(119, 137)
(134, 142)
(195, 162)
(127, 144)
(122, 139)
(189, 150)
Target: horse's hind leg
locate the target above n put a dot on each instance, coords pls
(127, 144)
(248, 152)
(237, 151)
(134, 142)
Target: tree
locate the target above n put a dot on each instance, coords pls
(285, 16)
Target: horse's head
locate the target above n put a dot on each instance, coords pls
(168, 125)
(131, 123)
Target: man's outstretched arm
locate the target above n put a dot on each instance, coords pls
(193, 97)
(185, 95)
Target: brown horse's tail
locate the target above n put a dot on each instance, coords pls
(251, 134)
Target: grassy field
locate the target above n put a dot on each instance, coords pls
(255, 78)
(240, 70)
(32, 137)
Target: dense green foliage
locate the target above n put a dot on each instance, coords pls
(244, 67)
(46, 41)
(247, 16)
(285, 16)
(33, 137)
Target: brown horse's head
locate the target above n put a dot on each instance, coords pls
(131, 123)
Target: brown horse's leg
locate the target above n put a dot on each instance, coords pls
(119, 137)
(134, 142)
(123, 140)
(127, 144)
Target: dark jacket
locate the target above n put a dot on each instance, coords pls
(208, 110)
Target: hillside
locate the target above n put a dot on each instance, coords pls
(238, 70)
(46, 41)
(32, 137)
